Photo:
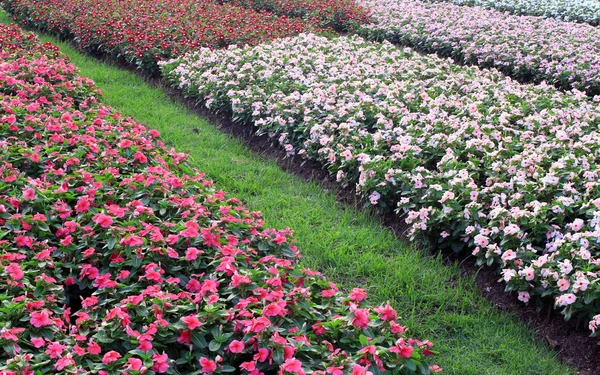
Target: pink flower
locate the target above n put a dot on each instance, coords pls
(523, 297)
(63, 362)
(41, 318)
(28, 194)
(192, 253)
(83, 205)
(293, 366)
(405, 351)
(272, 309)
(55, 350)
(14, 271)
(236, 346)
(93, 347)
(135, 363)
(104, 221)
(38, 342)
(361, 318)
(360, 370)
(566, 299)
(563, 284)
(208, 366)
(140, 157)
(358, 295)
(161, 364)
(386, 312)
(191, 321)
(110, 357)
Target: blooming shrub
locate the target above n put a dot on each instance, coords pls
(327, 13)
(475, 160)
(142, 32)
(585, 11)
(174, 276)
(528, 48)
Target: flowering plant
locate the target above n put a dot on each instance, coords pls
(338, 14)
(585, 11)
(525, 47)
(116, 257)
(146, 31)
(473, 159)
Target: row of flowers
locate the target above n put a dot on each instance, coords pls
(524, 47)
(584, 11)
(336, 14)
(146, 31)
(473, 159)
(116, 257)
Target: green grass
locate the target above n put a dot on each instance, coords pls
(348, 245)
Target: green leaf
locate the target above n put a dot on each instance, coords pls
(363, 340)
(278, 356)
(198, 340)
(410, 365)
(214, 345)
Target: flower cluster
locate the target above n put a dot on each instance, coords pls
(475, 160)
(143, 32)
(337, 14)
(116, 257)
(524, 47)
(584, 11)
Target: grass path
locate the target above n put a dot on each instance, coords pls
(348, 245)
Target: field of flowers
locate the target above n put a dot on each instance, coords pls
(528, 48)
(145, 31)
(337, 14)
(585, 11)
(474, 159)
(175, 276)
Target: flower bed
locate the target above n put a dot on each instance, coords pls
(527, 48)
(145, 31)
(338, 14)
(585, 11)
(116, 257)
(475, 160)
